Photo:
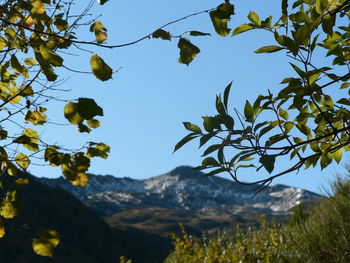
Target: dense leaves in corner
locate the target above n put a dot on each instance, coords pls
(301, 120)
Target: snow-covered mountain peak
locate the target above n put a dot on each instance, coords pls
(182, 188)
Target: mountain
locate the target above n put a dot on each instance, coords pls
(85, 236)
(183, 189)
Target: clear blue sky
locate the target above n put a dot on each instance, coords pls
(149, 98)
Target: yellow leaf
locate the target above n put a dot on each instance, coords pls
(3, 43)
(46, 243)
(81, 180)
(38, 7)
(100, 69)
(30, 61)
(22, 160)
(100, 31)
(8, 210)
(13, 96)
(2, 228)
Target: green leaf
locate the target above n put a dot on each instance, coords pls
(93, 123)
(241, 29)
(29, 139)
(17, 66)
(188, 51)
(184, 140)
(216, 171)
(60, 23)
(284, 7)
(98, 150)
(326, 159)
(226, 95)
(46, 243)
(212, 148)
(284, 114)
(344, 101)
(268, 161)
(11, 169)
(210, 123)
(254, 18)
(198, 33)
(100, 69)
(205, 138)
(87, 108)
(220, 106)
(288, 126)
(160, 33)
(192, 127)
(220, 17)
(298, 70)
(83, 128)
(30, 62)
(36, 117)
(321, 6)
(345, 85)
(210, 161)
(248, 112)
(313, 78)
(337, 155)
(71, 114)
(303, 34)
(268, 49)
(50, 57)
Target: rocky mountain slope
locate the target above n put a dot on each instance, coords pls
(183, 189)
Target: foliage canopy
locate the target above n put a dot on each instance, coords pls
(304, 120)
(309, 124)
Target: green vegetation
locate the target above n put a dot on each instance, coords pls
(309, 124)
(35, 36)
(306, 121)
(319, 235)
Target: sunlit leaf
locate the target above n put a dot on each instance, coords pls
(22, 160)
(220, 17)
(100, 31)
(38, 7)
(268, 49)
(100, 69)
(248, 112)
(50, 56)
(98, 150)
(71, 114)
(46, 243)
(337, 155)
(241, 29)
(254, 18)
(192, 127)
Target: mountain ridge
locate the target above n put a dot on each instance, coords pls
(183, 188)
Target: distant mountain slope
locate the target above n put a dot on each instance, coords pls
(85, 237)
(182, 189)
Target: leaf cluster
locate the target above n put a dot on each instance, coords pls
(302, 121)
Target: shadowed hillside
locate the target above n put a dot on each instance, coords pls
(85, 237)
